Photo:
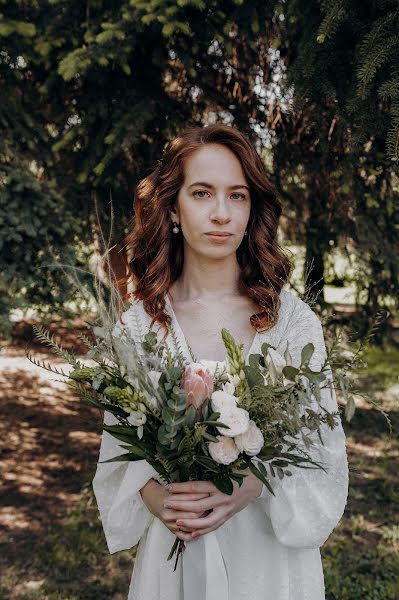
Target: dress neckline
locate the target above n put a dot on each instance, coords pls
(184, 340)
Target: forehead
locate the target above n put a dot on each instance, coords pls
(216, 164)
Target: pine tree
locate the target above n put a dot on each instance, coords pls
(335, 158)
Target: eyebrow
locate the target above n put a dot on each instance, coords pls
(231, 187)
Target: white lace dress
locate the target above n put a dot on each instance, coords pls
(270, 550)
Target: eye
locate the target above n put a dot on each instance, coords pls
(199, 192)
(239, 194)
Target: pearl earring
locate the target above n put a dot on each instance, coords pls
(246, 232)
(175, 228)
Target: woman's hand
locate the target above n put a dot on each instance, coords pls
(218, 506)
(154, 494)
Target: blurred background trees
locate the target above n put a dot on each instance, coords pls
(92, 91)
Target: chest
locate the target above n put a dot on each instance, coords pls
(199, 325)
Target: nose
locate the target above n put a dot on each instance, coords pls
(220, 211)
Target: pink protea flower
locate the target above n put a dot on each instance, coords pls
(197, 381)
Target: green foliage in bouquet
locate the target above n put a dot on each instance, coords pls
(168, 434)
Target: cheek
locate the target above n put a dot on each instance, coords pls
(193, 221)
(241, 218)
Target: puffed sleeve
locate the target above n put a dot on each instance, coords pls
(116, 486)
(308, 505)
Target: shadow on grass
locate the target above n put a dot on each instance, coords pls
(70, 562)
(361, 557)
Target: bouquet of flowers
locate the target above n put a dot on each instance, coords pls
(201, 420)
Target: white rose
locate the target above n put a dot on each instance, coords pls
(236, 418)
(275, 363)
(251, 441)
(224, 451)
(221, 400)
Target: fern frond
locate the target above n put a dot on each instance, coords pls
(86, 341)
(46, 337)
(186, 446)
(164, 462)
(180, 353)
(198, 433)
(138, 324)
(194, 358)
(47, 366)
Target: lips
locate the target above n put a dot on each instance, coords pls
(219, 234)
(218, 238)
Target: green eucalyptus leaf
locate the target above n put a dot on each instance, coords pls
(350, 408)
(290, 372)
(306, 353)
(189, 417)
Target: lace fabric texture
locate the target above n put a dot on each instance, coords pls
(271, 548)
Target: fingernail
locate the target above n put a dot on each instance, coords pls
(167, 504)
(168, 487)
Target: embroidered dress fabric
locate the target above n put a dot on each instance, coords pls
(270, 550)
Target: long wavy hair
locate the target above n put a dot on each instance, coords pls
(156, 253)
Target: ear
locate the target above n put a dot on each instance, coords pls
(173, 214)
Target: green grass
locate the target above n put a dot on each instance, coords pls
(382, 368)
(71, 562)
(361, 557)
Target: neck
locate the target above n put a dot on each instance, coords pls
(203, 278)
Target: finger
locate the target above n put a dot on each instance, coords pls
(192, 486)
(181, 533)
(197, 506)
(202, 522)
(186, 496)
(186, 537)
(185, 530)
(171, 516)
(178, 514)
(198, 532)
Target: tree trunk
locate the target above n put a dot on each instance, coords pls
(313, 274)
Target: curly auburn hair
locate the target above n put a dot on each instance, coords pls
(157, 253)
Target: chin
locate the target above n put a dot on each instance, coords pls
(218, 252)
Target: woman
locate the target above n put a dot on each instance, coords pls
(205, 256)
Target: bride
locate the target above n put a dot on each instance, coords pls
(205, 256)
